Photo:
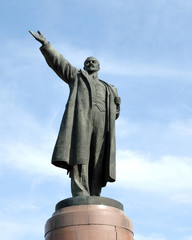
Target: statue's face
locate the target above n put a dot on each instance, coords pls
(91, 65)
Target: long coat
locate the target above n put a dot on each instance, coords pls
(73, 143)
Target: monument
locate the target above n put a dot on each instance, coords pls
(85, 147)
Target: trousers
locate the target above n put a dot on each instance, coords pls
(86, 179)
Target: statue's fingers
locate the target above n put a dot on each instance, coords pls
(32, 33)
(39, 33)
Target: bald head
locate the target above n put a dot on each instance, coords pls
(91, 65)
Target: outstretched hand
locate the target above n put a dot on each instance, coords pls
(39, 37)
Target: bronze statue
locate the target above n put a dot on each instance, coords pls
(86, 141)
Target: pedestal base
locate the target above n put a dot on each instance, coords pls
(88, 222)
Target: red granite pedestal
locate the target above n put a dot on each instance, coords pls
(88, 222)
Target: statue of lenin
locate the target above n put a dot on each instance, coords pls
(86, 141)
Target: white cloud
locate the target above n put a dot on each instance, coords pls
(16, 207)
(156, 137)
(187, 238)
(27, 144)
(19, 58)
(73, 54)
(116, 66)
(125, 128)
(24, 57)
(35, 160)
(11, 230)
(126, 67)
(183, 128)
(150, 237)
(170, 175)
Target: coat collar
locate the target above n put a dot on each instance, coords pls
(109, 86)
(85, 74)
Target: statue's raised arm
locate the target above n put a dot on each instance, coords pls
(39, 37)
(54, 59)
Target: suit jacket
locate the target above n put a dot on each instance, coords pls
(72, 146)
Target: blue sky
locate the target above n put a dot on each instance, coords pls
(145, 50)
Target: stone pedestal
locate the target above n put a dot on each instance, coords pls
(89, 218)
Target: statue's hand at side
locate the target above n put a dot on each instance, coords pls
(117, 101)
(39, 37)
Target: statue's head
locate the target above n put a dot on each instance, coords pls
(91, 65)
